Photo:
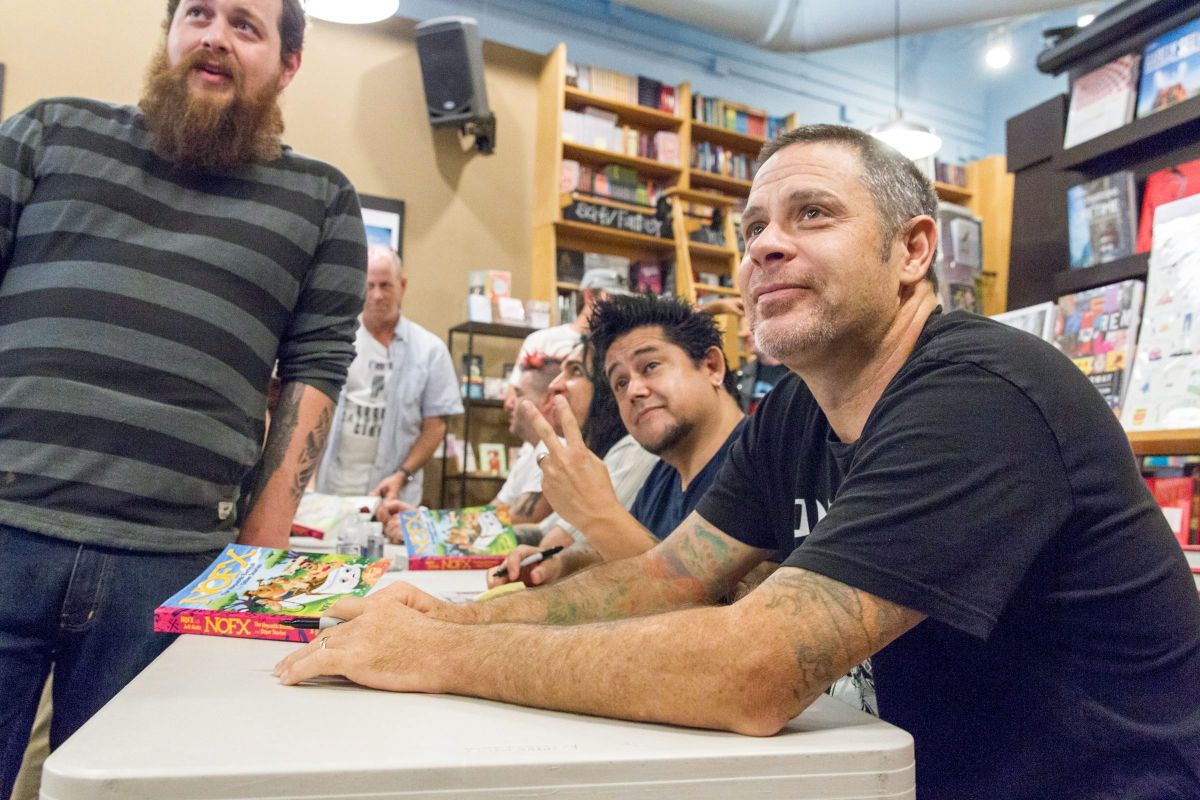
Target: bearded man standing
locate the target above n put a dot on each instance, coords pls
(155, 263)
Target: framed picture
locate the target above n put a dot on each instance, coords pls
(493, 459)
(384, 220)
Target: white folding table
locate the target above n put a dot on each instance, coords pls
(208, 721)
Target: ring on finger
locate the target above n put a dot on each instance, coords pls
(321, 642)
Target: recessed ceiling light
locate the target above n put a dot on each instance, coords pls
(1085, 20)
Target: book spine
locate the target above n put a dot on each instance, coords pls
(454, 562)
(238, 624)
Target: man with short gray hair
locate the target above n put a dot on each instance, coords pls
(399, 389)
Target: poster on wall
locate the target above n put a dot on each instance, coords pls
(384, 220)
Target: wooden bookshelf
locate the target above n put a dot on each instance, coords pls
(1165, 443)
(641, 116)
(952, 193)
(647, 167)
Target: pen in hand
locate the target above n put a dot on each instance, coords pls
(529, 560)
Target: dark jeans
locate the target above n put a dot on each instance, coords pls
(88, 611)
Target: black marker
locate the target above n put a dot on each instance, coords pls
(313, 623)
(530, 560)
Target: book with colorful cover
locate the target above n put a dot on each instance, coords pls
(1162, 187)
(1170, 69)
(1102, 220)
(1102, 100)
(249, 592)
(477, 537)
(1164, 392)
(1097, 329)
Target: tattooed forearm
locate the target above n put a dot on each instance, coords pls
(848, 623)
(310, 455)
(283, 427)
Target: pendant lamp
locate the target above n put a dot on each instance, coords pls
(911, 139)
(354, 12)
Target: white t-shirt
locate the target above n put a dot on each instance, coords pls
(362, 415)
(523, 477)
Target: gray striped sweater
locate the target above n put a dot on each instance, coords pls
(142, 309)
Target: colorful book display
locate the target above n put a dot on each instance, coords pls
(249, 592)
(1097, 329)
(1165, 387)
(457, 538)
(1102, 220)
(1170, 69)
(1102, 100)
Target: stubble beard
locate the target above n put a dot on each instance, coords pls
(787, 343)
(209, 133)
(669, 439)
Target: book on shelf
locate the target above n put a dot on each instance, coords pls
(1170, 69)
(1036, 319)
(630, 89)
(1097, 329)
(471, 378)
(322, 516)
(493, 459)
(1102, 100)
(1176, 496)
(249, 592)
(477, 537)
(959, 265)
(1165, 186)
(1164, 391)
(1102, 220)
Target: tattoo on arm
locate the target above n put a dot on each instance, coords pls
(527, 503)
(849, 624)
(283, 427)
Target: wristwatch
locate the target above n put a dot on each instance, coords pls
(407, 476)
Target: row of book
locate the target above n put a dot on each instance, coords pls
(1109, 97)
(1143, 357)
(645, 275)
(612, 180)
(722, 161)
(595, 127)
(624, 88)
(1102, 218)
(731, 116)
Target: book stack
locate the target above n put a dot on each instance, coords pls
(457, 538)
(593, 127)
(619, 183)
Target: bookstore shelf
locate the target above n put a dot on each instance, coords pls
(1165, 443)
(726, 138)
(628, 114)
(645, 166)
(567, 286)
(1170, 126)
(482, 402)
(705, 249)
(952, 193)
(708, 288)
(1077, 280)
(585, 230)
(703, 179)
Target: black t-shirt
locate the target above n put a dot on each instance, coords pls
(660, 505)
(993, 490)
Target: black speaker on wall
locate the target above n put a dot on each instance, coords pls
(451, 56)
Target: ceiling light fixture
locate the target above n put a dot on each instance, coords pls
(1084, 20)
(998, 53)
(354, 12)
(911, 139)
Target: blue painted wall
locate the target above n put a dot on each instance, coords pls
(943, 82)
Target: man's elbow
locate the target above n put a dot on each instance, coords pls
(761, 711)
(436, 425)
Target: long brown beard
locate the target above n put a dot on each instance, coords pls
(209, 133)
